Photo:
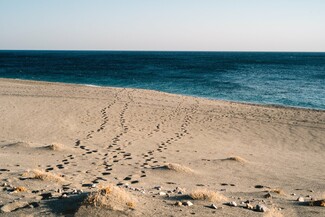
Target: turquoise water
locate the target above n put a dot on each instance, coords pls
(289, 79)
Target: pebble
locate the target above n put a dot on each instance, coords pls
(46, 196)
(178, 203)
(213, 206)
(261, 208)
(268, 195)
(232, 203)
(300, 199)
(188, 203)
(162, 193)
(249, 206)
(158, 188)
(293, 194)
(93, 185)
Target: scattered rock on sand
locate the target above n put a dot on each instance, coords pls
(46, 196)
(188, 203)
(232, 203)
(13, 206)
(178, 203)
(162, 193)
(249, 206)
(261, 208)
(318, 203)
(300, 199)
(158, 188)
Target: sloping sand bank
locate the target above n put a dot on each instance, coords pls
(159, 148)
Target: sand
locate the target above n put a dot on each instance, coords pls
(159, 148)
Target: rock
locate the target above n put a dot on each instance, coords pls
(33, 205)
(261, 208)
(162, 193)
(158, 188)
(232, 203)
(64, 196)
(188, 203)
(93, 185)
(178, 203)
(318, 203)
(268, 195)
(65, 188)
(13, 206)
(46, 196)
(293, 194)
(300, 199)
(179, 190)
(249, 206)
(213, 206)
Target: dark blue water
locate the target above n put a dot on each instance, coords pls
(291, 79)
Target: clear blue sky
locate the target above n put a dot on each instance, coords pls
(217, 25)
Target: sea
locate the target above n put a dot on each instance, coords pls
(268, 78)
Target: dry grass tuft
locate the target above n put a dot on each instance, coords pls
(178, 168)
(111, 197)
(20, 189)
(55, 147)
(204, 194)
(236, 159)
(44, 176)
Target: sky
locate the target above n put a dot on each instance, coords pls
(184, 25)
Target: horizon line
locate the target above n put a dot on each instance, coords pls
(206, 51)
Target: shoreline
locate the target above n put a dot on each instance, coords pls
(199, 97)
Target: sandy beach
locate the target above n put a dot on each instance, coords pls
(61, 143)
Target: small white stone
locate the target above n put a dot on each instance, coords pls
(213, 206)
(93, 185)
(300, 199)
(232, 203)
(162, 193)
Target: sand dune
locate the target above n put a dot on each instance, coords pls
(159, 148)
